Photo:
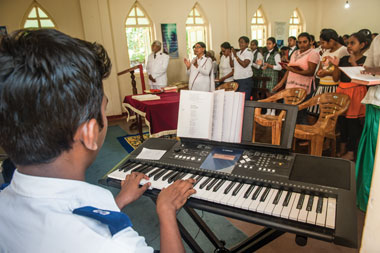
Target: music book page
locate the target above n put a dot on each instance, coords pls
(239, 120)
(217, 125)
(228, 110)
(195, 114)
(357, 77)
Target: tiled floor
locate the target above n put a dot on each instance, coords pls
(286, 242)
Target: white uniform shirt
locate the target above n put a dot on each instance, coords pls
(259, 57)
(225, 68)
(36, 216)
(201, 78)
(373, 60)
(239, 71)
(157, 67)
(277, 60)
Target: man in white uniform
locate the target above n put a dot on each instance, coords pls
(53, 138)
(157, 66)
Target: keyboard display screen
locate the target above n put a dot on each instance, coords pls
(222, 159)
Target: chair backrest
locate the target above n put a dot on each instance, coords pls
(231, 86)
(292, 96)
(331, 105)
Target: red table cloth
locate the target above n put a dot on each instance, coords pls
(161, 115)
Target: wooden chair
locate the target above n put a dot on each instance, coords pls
(231, 86)
(293, 96)
(263, 92)
(331, 106)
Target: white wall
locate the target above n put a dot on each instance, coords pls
(103, 21)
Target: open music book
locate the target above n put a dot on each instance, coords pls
(216, 116)
(357, 77)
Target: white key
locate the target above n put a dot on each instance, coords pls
(331, 212)
(302, 216)
(247, 202)
(239, 197)
(255, 203)
(264, 204)
(120, 175)
(212, 195)
(209, 192)
(233, 199)
(200, 192)
(220, 196)
(278, 208)
(321, 217)
(286, 209)
(269, 208)
(294, 211)
(225, 200)
(312, 215)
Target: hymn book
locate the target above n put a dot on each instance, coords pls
(216, 116)
(354, 73)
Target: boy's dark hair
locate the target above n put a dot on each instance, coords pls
(292, 37)
(245, 38)
(256, 42)
(50, 83)
(226, 45)
(284, 48)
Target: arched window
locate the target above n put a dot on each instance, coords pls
(138, 28)
(36, 17)
(259, 27)
(295, 24)
(196, 29)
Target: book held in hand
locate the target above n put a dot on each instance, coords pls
(216, 116)
(356, 77)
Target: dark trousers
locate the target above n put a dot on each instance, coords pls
(245, 85)
(350, 132)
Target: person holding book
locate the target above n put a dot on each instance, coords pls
(350, 124)
(333, 46)
(367, 145)
(200, 70)
(52, 139)
(226, 70)
(242, 62)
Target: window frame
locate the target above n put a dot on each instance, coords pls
(264, 26)
(298, 27)
(38, 18)
(188, 28)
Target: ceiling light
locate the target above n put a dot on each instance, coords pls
(346, 5)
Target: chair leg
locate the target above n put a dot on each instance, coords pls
(274, 133)
(254, 131)
(333, 147)
(316, 145)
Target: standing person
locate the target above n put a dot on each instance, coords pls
(292, 44)
(226, 70)
(211, 54)
(350, 123)
(200, 70)
(242, 61)
(333, 46)
(256, 62)
(157, 66)
(52, 139)
(367, 145)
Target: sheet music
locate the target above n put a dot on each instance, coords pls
(217, 126)
(227, 119)
(239, 120)
(234, 119)
(356, 76)
(195, 114)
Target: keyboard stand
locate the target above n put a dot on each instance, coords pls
(251, 244)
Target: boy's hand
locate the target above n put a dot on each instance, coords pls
(130, 189)
(171, 199)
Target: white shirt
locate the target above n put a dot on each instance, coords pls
(225, 68)
(36, 216)
(239, 71)
(201, 78)
(259, 57)
(157, 67)
(277, 60)
(373, 60)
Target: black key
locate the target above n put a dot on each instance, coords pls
(257, 192)
(193, 176)
(287, 199)
(229, 187)
(320, 204)
(199, 178)
(265, 194)
(300, 201)
(218, 185)
(129, 167)
(147, 169)
(180, 176)
(139, 168)
(310, 203)
(160, 174)
(171, 178)
(277, 198)
(210, 185)
(154, 172)
(168, 175)
(125, 165)
(237, 189)
(248, 192)
(205, 182)
(133, 166)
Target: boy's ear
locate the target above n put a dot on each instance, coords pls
(89, 133)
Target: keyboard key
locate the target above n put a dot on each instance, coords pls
(331, 212)
(321, 217)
